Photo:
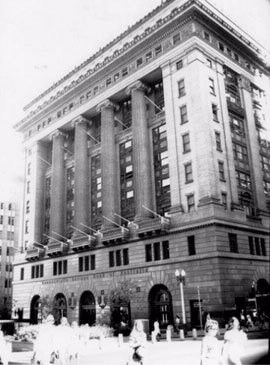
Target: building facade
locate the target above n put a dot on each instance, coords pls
(146, 159)
(9, 225)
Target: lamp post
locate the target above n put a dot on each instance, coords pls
(180, 277)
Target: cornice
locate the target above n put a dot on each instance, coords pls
(126, 48)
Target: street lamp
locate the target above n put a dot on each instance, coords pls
(180, 277)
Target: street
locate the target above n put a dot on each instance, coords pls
(177, 352)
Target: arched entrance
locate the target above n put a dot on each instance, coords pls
(59, 307)
(87, 308)
(34, 307)
(160, 306)
(263, 297)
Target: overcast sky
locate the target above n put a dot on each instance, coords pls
(42, 40)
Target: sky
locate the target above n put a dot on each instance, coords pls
(43, 40)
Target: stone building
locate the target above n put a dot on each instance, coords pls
(9, 224)
(146, 159)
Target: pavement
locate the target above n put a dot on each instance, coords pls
(112, 351)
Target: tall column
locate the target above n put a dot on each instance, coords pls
(81, 178)
(141, 152)
(40, 166)
(172, 133)
(108, 163)
(253, 146)
(58, 186)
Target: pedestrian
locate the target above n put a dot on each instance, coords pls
(177, 322)
(210, 349)
(4, 353)
(138, 341)
(234, 339)
(64, 336)
(249, 323)
(242, 319)
(156, 332)
(44, 347)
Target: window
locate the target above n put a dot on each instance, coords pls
(92, 262)
(233, 242)
(179, 64)
(148, 56)
(236, 57)
(263, 248)
(158, 50)
(82, 99)
(221, 171)
(125, 256)
(218, 141)
(224, 200)
(206, 36)
(27, 208)
(26, 226)
(22, 273)
(251, 245)
(28, 187)
(71, 106)
(181, 88)
(209, 63)
(95, 90)
(240, 152)
(148, 252)
(124, 71)
(118, 258)
(188, 173)
(139, 62)
(190, 203)
(165, 250)
(111, 259)
(108, 82)
(29, 168)
(156, 251)
(186, 143)
(215, 112)
(176, 38)
(36, 272)
(191, 245)
(257, 246)
(60, 267)
(221, 46)
(88, 95)
(116, 76)
(212, 86)
(80, 264)
(243, 180)
(183, 114)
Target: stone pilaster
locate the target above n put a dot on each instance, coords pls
(39, 150)
(253, 147)
(141, 152)
(81, 178)
(58, 186)
(108, 163)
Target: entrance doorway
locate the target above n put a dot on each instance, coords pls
(59, 307)
(34, 308)
(160, 306)
(87, 308)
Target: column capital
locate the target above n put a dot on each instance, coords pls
(137, 85)
(57, 133)
(78, 120)
(106, 104)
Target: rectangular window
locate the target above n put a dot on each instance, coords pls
(221, 171)
(191, 245)
(209, 63)
(165, 250)
(80, 264)
(139, 62)
(218, 141)
(156, 251)
(190, 203)
(116, 76)
(111, 259)
(221, 46)
(251, 245)
(257, 246)
(233, 242)
(186, 143)
(55, 268)
(183, 114)
(176, 38)
(27, 226)
(212, 86)
(224, 200)
(148, 252)
(33, 269)
(263, 248)
(179, 64)
(93, 262)
(215, 112)
(124, 71)
(118, 257)
(206, 36)
(188, 173)
(148, 56)
(181, 88)
(59, 268)
(22, 273)
(86, 263)
(125, 256)
(158, 50)
(41, 271)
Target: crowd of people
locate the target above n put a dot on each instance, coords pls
(62, 344)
